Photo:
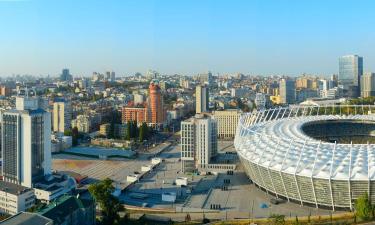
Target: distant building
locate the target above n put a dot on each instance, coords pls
(152, 113)
(15, 198)
(202, 99)
(158, 113)
(205, 78)
(104, 129)
(287, 91)
(239, 92)
(368, 85)
(5, 91)
(262, 101)
(350, 72)
(135, 114)
(138, 99)
(62, 116)
(198, 142)
(227, 122)
(65, 75)
(86, 123)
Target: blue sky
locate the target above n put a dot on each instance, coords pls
(184, 36)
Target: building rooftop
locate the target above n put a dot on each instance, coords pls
(14, 189)
(63, 206)
(26, 218)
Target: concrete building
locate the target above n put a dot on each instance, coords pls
(62, 116)
(26, 143)
(135, 114)
(86, 123)
(138, 99)
(262, 100)
(5, 91)
(287, 91)
(158, 113)
(104, 129)
(71, 210)
(368, 85)
(15, 198)
(198, 142)
(227, 121)
(350, 72)
(202, 99)
(65, 75)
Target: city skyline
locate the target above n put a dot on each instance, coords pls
(184, 37)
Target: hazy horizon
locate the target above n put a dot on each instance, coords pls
(184, 37)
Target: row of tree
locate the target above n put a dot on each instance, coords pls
(142, 132)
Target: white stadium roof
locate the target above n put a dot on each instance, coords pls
(281, 145)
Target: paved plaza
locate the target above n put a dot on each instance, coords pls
(241, 199)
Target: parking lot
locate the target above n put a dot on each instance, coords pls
(240, 197)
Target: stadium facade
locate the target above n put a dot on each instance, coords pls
(314, 155)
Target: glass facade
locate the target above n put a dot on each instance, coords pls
(350, 71)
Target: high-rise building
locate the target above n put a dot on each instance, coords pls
(368, 85)
(156, 104)
(62, 116)
(227, 121)
(202, 99)
(287, 91)
(65, 75)
(350, 72)
(110, 76)
(198, 142)
(26, 142)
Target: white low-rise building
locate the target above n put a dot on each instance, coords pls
(54, 186)
(146, 168)
(132, 178)
(155, 161)
(15, 198)
(181, 181)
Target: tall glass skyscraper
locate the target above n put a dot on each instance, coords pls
(350, 72)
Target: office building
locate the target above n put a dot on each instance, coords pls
(15, 198)
(65, 75)
(110, 76)
(139, 114)
(26, 143)
(205, 78)
(5, 91)
(202, 99)
(158, 113)
(368, 85)
(350, 72)
(287, 91)
(198, 142)
(62, 116)
(227, 121)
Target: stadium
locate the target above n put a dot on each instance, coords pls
(322, 156)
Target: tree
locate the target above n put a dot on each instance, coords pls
(68, 133)
(363, 207)
(109, 204)
(75, 135)
(128, 130)
(276, 219)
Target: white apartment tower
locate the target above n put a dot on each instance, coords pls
(62, 116)
(198, 142)
(202, 98)
(25, 142)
